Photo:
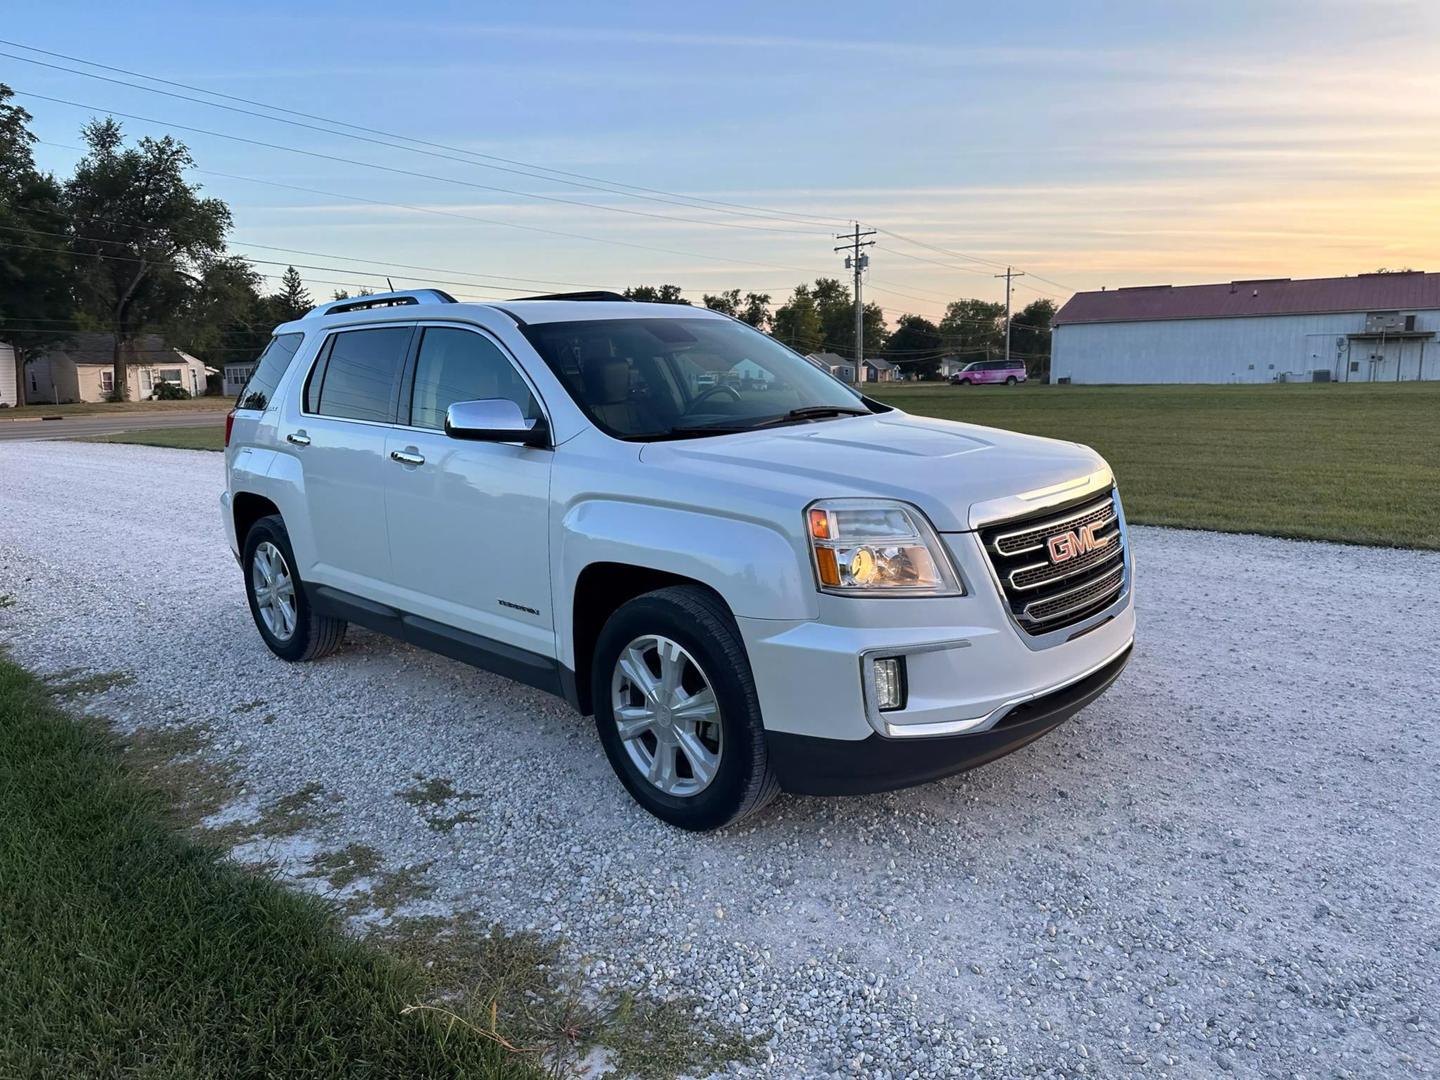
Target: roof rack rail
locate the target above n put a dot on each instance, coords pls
(382, 300)
(593, 294)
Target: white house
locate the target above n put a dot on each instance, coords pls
(237, 374)
(877, 370)
(82, 369)
(835, 364)
(1366, 328)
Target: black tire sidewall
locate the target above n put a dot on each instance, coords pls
(273, 529)
(734, 692)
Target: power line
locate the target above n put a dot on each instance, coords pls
(610, 186)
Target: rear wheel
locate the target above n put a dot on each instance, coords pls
(278, 603)
(677, 711)
(1011, 381)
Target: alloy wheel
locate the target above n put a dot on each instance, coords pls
(274, 588)
(667, 715)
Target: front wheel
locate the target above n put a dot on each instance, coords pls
(963, 382)
(677, 710)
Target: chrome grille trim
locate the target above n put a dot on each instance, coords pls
(1045, 596)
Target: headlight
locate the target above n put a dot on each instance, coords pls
(875, 547)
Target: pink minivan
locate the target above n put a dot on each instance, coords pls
(1009, 372)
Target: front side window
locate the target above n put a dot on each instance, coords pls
(358, 381)
(684, 378)
(268, 371)
(461, 365)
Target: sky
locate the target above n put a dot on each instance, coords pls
(1087, 145)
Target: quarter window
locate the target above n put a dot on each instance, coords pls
(461, 365)
(358, 382)
(268, 371)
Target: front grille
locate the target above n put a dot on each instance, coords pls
(1049, 586)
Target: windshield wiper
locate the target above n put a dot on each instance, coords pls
(810, 412)
(794, 416)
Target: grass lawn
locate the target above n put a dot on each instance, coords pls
(129, 950)
(105, 408)
(207, 437)
(1354, 463)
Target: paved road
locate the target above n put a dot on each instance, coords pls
(76, 426)
(1227, 865)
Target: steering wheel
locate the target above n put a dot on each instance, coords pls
(717, 388)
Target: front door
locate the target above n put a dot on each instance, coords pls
(469, 521)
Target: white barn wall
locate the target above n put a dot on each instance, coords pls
(1223, 350)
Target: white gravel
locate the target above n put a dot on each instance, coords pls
(1229, 863)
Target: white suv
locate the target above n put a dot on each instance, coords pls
(795, 589)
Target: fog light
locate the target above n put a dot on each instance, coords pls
(890, 682)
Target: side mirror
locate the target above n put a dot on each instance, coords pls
(494, 420)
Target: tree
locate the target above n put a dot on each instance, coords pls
(293, 299)
(342, 294)
(916, 345)
(797, 323)
(144, 233)
(753, 308)
(36, 279)
(652, 294)
(1030, 336)
(224, 316)
(836, 308)
(973, 329)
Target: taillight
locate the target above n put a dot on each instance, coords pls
(229, 424)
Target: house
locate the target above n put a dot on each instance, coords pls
(835, 364)
(236, 376)
(7, 377)
(749, 373)
(83, 369)
(1368, 328)
(879, 370)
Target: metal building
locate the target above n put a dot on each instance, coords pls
(1367, 328)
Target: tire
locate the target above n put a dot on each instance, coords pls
(310, 636)
(696, 622)
(964, 382)
(1011, 381)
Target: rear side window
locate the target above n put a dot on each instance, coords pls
(269, 369)
(460, 365)
(358, 381)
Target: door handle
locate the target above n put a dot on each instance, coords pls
(299, 438)
(405, 457)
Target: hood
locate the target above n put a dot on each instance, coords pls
(961, 475)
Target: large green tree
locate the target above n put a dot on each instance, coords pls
(224, 318)
(752, 308)
(836, 307)
(143, 232)
(973, 329)
(916, 345)
(1030, 336)
(36, 280)
(656, 294)
(293, 299)
(797, 322)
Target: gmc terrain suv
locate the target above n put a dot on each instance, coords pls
(756, 578)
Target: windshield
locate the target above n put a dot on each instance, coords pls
(673, 378)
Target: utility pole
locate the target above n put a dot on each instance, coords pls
(857, 261)
(1008, 275)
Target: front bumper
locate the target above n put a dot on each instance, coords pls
(812, 765)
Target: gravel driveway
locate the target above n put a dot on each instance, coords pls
(1229, 863)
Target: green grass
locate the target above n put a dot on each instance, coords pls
(208, 437)
(130, 951)
(107, 408)
(1358, 464)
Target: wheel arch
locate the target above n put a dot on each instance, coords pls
(247, 508)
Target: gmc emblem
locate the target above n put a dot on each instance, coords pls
(1067, 545)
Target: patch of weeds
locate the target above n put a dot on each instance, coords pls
(401, 886)
(283, 816)
(515, 988)
(268, 718)
(435, 792)
(172, 760)
(346, 866)
(6, 600)
(70, 684)
(249, 706)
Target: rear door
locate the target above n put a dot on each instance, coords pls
(347, 411)
(469, 521)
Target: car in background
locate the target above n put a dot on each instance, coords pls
(1008, 372)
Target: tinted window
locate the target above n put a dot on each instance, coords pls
(652, 378)
(358, 382)
(268, 370)
(460, 365)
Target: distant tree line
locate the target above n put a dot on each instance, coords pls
(127, 246)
